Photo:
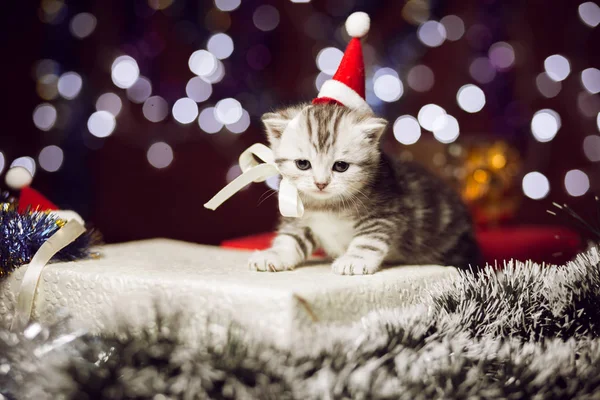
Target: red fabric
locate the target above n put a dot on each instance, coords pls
(32, 198)
(554, 245)
(550, 244)
(326, 100)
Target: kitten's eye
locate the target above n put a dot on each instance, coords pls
(340, 166)
(303, 164)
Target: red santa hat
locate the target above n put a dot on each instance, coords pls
(19, 178)
(347, 87)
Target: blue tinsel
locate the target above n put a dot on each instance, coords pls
(22, 234)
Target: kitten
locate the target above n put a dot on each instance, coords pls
(362, 208)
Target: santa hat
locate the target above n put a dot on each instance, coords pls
(347, 87)
(18, 179)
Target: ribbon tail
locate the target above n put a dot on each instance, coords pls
(261, 171)
(290, 204)
(62, 238)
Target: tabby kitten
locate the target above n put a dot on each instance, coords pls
(362, 208)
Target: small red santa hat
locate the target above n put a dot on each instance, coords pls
(347, 87)
(19, 178)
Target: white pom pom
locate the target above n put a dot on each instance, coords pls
(17, 178)
(358, 24)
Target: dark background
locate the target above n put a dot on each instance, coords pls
(110, 182)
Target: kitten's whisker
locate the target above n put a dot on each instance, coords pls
(357, 202)
(268, 191)
(271, 194)
(361, 202)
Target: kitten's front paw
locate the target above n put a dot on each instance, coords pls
(269, 261)
(352, 265)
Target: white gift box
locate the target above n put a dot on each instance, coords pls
(206, 281)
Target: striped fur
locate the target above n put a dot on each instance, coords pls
(377, 211)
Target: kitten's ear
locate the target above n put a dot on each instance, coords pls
(373, 128)
(276, 122)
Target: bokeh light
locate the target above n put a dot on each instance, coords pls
(51, 158)
(415, 11)
(588, 104)
(501, 55)
(160, 4)
(266, 18)
(548, 87)
(241, 125)
(446, 129)
(217, 75)
(69, 85)
(598, 121)
(388, 87)
(428, 114)
(590, 78)
(45, 67)
(44, 116)
(328, 60)
(202, 63)
(25, 162)
(52, 11)
(208, 122)
(82, 25)
(2, 162)
(407, 129)
(591, 147)
(228, 111)
(140, 90)
(185, 110)
(101, 124)
(233, 172)
(47, 86)
(589, 12)
(545, 124)
(198, 89)
(155, 109)
(470, 98)
(273, 182)
(321, 78)
(482, 70)
(160, 155)
(227, 5)
(535, 185)
(124, 71)
(220, 45)
(557, 67)
(432, 33)
(420, 78)
(455, 27)
(109, 102)
(385, 71)
(577, 183)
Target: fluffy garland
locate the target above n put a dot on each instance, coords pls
(529, 332)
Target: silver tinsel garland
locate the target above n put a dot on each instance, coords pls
(528, 332)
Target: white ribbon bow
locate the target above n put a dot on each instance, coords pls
(290, 204)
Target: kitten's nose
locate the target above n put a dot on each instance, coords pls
(322, 186)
